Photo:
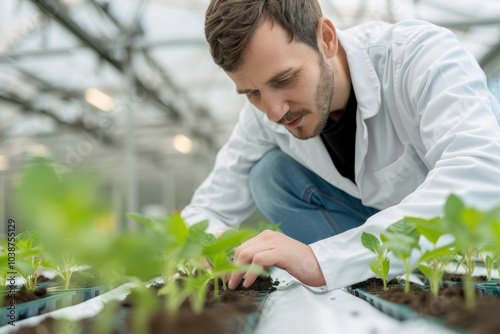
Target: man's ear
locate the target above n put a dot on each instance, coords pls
(327, 38)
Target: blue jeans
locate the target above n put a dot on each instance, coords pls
(308, 208)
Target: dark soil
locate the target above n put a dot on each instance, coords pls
(42, 278)
(228, 314)
(450, 306)
(375, 285)
(460, 277)
(23, 296)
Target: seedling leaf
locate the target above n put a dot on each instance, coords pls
(24, 268)
(453, 207)
(196, 231)
(207, 239)
(226, 241)
(489, 261)
(176, 228)
(432, 229)
(427, 271)
(376, 267)
(435, 254)
(386, 265)
(404, 227)
(370, 241)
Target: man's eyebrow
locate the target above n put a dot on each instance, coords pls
(274, 78)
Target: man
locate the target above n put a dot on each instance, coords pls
(345, 132)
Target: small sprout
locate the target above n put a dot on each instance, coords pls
(380, 267)
(401, 238)
(433, 263)
(469, 227)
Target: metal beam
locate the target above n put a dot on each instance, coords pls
(138, 46)
(174, 42)
(27, 107)
(55, 9)
(49, 87)
(106, 12)
(148, 154)
(199, 111)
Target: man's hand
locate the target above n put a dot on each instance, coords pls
(272, 248)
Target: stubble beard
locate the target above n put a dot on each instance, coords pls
(323, 97)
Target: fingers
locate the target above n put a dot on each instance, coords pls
(256, 251)
(260, 260)
(245, 255)
(261, 242)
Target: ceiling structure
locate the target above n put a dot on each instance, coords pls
(151, 60)
(151, 56)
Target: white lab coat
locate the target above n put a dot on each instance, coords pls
(427, 126)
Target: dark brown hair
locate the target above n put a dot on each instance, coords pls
(230, 24)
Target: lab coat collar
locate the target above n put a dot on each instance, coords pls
(363, 76)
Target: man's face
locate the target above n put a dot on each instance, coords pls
(288, 81)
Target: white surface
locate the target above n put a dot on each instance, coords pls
(294, 308)
(298, 310)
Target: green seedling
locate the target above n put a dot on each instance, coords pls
(401, 238)
(184, 249)
(196, 288)
(486, 257)
(495, 244)
(65, 270)
(433, 263)
(496, 261)
(146, 305)
(470, 228)
(28, 259)
(380, 267)
(4, 262)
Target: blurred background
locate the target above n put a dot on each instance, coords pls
(127, 88)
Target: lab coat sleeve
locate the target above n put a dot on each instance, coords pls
(445, 102)
(224, 197)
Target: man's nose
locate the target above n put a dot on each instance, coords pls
(275, 106)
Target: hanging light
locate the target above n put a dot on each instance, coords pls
(4, 163)
(183, 144)
(38, 150)
(99, 99)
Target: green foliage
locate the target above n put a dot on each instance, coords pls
(186, 247)
(433, 263)
(29, 258)
(380, 267)
(4, 263)
(62, 209)
(64, 267)
(494, 230)
(470, 228)
(401, 238)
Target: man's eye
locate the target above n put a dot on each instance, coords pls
(253, 94)
(284, 81)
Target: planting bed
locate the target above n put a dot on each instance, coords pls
(233, 312)
(449, 308)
